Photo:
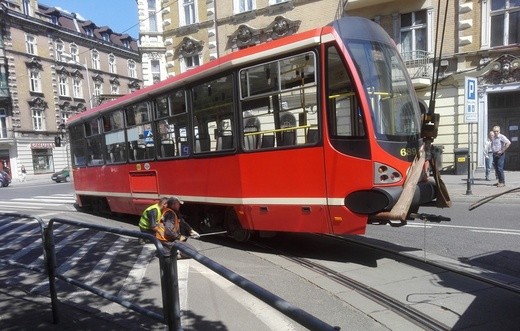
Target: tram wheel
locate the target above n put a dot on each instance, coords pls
(234, 228)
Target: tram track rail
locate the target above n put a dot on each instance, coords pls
(405, 310)
(443, 266)
(420, 319)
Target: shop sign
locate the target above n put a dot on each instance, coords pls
(42, 145)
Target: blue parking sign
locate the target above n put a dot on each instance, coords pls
(470, 100)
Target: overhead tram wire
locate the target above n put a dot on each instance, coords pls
(437, 58)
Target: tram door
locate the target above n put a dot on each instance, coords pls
(348, 163)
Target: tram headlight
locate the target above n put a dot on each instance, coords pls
(384, 174)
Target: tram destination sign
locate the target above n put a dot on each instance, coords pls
(470, 100)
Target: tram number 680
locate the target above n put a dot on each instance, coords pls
(408, 151)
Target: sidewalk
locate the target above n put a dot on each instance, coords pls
(32, 179)
(479, 188)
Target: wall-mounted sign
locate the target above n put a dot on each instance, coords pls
(42, 145)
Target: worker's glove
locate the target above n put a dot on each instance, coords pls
(194, 234)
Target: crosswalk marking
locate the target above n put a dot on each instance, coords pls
(127, 288)
(135, 276)
(36, 202)
(62, 244)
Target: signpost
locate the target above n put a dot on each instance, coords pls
(470, 117)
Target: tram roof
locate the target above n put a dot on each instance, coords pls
(233, 60)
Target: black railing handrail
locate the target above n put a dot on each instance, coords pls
(169, 285)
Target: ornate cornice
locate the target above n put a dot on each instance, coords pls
(38, 102)
(245, 35)
(190, 47)
(505, 69)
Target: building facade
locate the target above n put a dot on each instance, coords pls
(483, 44)
(151, 41)
(54, 64)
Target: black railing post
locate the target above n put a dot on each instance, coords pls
(468, 186)
(50, 265)
(170, 288)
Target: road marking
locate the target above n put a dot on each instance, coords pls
(39, 261)
(135, 276)
(271, 317)
(417, 224)
(9, 223)
(497, 232)
(37, 202)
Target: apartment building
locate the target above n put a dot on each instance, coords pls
(151, 40)
(54, 64)
(480, 40)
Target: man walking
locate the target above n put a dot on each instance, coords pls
(499, 144)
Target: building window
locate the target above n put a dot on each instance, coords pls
(76, 88)
(155, 70)
(191, 62)
(3, 123)
(63, 84)
(74, 53)
(89, 32)
(106, 36)
(114, 89)
(126, 43)
(30, 44)
(152, 16)
(35, 80)
(98, 89)
(132, 72)
(37, 115)
(242, 6)
(59, 51)
(505, 22)
(95, 59)
(112, 63)
(26, 7)
(42, 161)
(188, 12)
(414, 34)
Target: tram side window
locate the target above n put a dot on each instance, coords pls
(279, 103)
(113, 127)
(139, 132)
(213, 115)
(171, 125)
(95, 146)
(344, 113)
(77, 145)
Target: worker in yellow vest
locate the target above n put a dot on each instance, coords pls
(151, 216)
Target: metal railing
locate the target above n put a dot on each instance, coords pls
(417, 63)
(169, 278)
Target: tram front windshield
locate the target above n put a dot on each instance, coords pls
(393, 104)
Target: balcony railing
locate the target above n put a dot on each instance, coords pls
(417, 63)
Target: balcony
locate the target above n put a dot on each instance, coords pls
(419, 67)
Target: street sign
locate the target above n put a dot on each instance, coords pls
(470, 100)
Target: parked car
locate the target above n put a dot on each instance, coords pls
(61, 176)
(5, 179)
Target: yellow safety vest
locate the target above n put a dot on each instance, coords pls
(144, 222)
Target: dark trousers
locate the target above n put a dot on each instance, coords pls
(498, 162)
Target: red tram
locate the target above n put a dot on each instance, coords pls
(313, 132)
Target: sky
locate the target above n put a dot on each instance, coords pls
(120, 15)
